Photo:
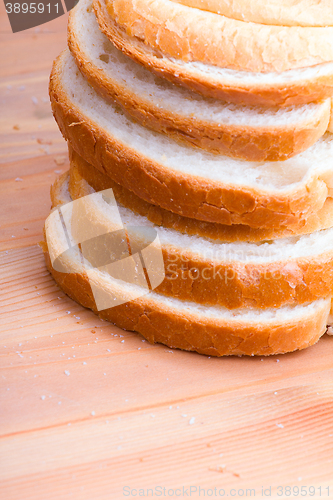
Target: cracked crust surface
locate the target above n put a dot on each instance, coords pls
(176, 191)
(160, 321)
(181, 331)
(161, 217)
(198, 36)
(240, 140)
(273, 12)
(240, 88)
(215, 280)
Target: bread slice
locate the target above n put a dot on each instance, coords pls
(295, 86)
(180, 324)
(182, 179)
(293, 270)
(185, 225)
(198, 36)
(276, 12)
(251, 133)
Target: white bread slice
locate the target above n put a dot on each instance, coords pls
(295, 86)
(182, 179)
(209, 330)
(276, 12)
(251, 133)
(294, 270)
(185, 225)
(198, 36)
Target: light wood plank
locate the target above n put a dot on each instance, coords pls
(27, 128)
(126, 406)
(25, 196)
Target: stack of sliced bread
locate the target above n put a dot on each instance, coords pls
(207, 122)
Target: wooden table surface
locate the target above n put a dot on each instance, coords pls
(89, 411)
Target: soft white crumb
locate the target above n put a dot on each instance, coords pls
(329, 330)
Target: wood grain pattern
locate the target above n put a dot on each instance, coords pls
(27, 128)
(86, 408)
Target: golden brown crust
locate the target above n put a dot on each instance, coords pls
(191, 330)
(232, 284)
(266, 143)
(204, 335)
(193, 35)
(330, 124)
(55, 190)
(238, 91)
(276, 12)
(161, 217)
(181, 193)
